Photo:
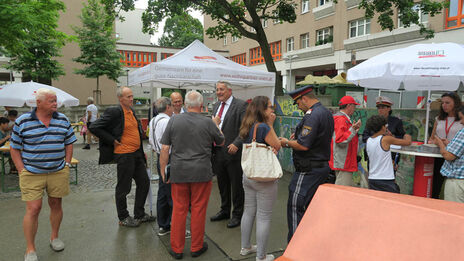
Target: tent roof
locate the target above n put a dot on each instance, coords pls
(198, 67)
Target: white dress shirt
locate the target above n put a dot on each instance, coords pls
(226, 107)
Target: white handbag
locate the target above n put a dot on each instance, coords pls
(259, 162)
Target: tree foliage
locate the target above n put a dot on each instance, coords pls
(21, 20)
(29, 37)
(181, 30)
(244, 17)
(97, 42)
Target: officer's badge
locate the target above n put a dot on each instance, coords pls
(306, 130)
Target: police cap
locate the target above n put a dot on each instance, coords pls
(298, 93)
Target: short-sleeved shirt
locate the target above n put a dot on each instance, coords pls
(94, 110)
(261, 133)
(314, 131)
(455, 169)
(2, 136)
(191, 137)
(42, 148)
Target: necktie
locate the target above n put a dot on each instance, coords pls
(221, 110)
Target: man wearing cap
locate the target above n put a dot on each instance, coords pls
(311, 153)
(344, 144)
(394, 124)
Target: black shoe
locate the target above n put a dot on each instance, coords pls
(201, 251)
(219, 216)
(86, 147)
(176, 255)
(233, 222)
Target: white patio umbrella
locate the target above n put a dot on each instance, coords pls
(18, 94)
(426, 67)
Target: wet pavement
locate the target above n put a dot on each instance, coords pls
(90, 226)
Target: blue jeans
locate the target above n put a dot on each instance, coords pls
(164, 201)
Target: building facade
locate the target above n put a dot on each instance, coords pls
(329, 38)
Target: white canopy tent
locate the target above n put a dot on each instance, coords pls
(198, 67)
(427, 67)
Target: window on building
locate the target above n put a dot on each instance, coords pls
(165, 55)
(304, 6)
(324, 36)
(360, 27)
(225, 40)
(322, 2)
(455, 14)
(304, 41)
(256, 56)
(290, 44)
(136, 59)
(423, 18)
(239, 58)
(264, 23)
(276, 50)
(235, 39)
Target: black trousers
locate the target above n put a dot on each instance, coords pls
(384, 185)
(438, 179)
(301, 191)
(164, 201)
(131, 166)
(229, 176)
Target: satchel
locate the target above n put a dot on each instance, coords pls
(259, 162)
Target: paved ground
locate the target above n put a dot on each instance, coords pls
(90, 227)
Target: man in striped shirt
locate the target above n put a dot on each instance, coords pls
(41, 148)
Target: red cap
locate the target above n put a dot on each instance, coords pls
(347, 100)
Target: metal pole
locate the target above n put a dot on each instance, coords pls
(290, 74)
(427, 118)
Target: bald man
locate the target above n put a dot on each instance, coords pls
(177, 102)
(120, 134)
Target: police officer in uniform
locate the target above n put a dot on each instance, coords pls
(311, 153)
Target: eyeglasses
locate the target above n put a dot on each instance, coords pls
(381, 106)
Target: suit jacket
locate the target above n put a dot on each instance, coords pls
(231, 126)
(108, 128)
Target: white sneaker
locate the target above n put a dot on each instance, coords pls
(32, 256)
(247, 251)
(57, 245)
(267, 258)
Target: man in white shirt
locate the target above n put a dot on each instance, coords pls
(91, 113)
(177, 103)
(157, 128)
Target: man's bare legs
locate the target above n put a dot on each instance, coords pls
(31, 222)
(56, 215)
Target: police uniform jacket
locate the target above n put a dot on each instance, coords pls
(314, 132)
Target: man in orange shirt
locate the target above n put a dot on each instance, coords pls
(120, 135)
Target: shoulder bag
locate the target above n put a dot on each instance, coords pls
(259, 162)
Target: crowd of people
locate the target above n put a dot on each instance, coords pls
(192, 148)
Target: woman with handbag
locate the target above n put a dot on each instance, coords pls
(259, 195)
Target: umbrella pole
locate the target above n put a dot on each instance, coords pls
(427, 118)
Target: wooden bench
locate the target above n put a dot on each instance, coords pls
(74, 163)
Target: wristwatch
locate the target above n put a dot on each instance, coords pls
(286, 144)
(68, 164)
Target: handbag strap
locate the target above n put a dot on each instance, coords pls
(254, 131)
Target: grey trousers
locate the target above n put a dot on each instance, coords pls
(259, 200)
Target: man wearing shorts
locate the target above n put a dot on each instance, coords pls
(41, 148)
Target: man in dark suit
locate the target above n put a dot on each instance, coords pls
(120, 137)
(226, 159)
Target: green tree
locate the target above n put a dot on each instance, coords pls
(21, 20)
(98, 45)
(181, 30)
(29, 37)
(243, 17)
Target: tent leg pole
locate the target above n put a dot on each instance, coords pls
(427, 118)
